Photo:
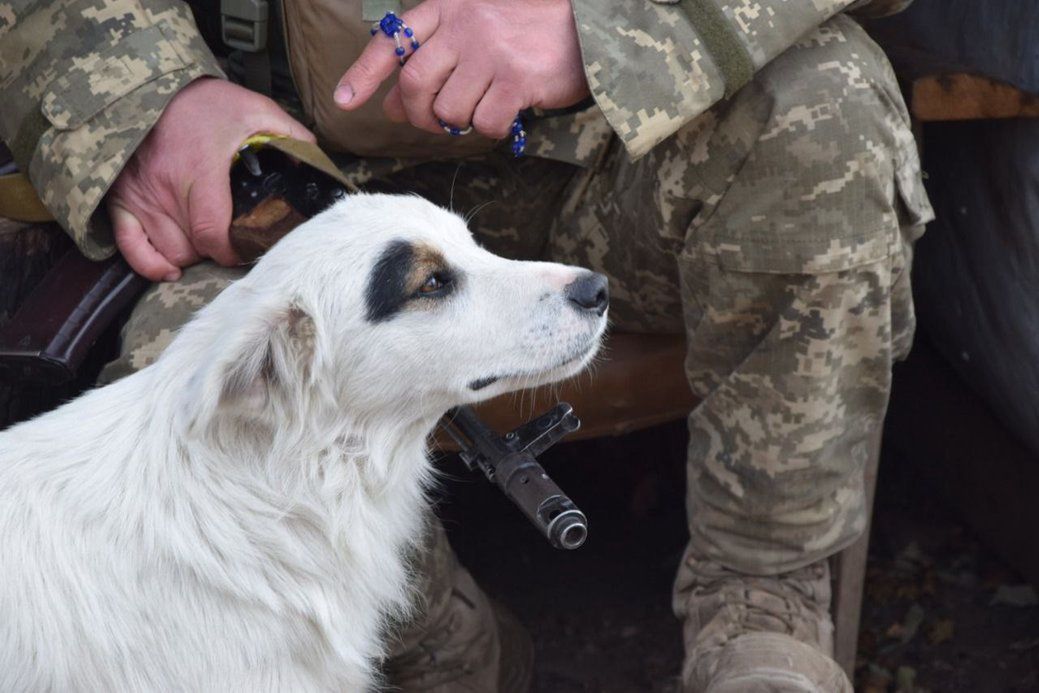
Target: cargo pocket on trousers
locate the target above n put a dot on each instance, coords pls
(767, 229)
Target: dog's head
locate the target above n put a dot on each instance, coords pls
(385, 303)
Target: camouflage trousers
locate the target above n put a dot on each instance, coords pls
(776, 231)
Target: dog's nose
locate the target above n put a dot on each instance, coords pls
(590, 291)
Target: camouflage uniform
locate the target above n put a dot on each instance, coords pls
(754, 183)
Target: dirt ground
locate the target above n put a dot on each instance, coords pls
(941, 613)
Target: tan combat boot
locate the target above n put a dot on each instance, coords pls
(478, 647)
(756, 634)
(459, 640)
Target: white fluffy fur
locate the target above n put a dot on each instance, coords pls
(238, 515)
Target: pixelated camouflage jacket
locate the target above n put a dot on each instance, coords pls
(83, 81)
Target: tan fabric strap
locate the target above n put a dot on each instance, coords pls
(19, 201)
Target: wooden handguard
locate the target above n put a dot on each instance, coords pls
(252, 234)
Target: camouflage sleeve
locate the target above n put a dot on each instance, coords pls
(82, 83)
(654, 65)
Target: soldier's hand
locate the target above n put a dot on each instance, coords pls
(480, 62)
(171, 205)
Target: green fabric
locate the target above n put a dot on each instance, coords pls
(23, 144)
(722, 43)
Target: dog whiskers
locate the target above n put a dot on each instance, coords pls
(476, 210)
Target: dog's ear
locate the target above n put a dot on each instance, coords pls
(256, 364)
(275, 358)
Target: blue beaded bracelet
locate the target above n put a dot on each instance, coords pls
(519, 137)
(452, 130)
(394, 27)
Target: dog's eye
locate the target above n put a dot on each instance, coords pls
(435, 284)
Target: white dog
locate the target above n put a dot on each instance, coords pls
(238, 515)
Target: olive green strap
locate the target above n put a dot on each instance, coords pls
(23, 144)
(722, 42)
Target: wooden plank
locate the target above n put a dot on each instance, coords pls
(849, 579)
(969, 97)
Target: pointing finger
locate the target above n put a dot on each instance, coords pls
(378, 61)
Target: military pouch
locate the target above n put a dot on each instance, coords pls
(323, 38)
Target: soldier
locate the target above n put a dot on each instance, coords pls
(744, 172)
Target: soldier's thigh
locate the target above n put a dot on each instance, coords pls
(826, 171)
(814, 171)
(161, 312)
(810, 168)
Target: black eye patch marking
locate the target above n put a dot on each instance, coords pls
(387, 290)
(407, 273)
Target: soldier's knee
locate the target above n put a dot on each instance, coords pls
(161, 312)
(831, 171)
(836, 79)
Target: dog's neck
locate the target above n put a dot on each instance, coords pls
(321, 498)
(319, 456)
(309, 450)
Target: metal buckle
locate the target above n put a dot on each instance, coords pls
(243, 24)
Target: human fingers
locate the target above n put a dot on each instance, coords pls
(209, 216)
(205, 208)
(277, 122)
(167, 237)
(497, 110)
(421, 79)
(378, 61)
(135, 247)
(457, 99)
(393, 105)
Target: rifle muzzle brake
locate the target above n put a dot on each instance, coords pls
(527, 485)
(510, 461)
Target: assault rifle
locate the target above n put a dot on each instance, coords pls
(49, 337)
